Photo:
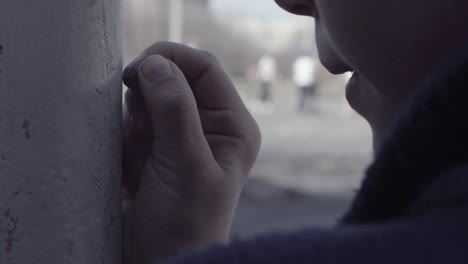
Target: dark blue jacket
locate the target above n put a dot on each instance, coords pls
(413, 204)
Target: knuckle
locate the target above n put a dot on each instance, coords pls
(253, 140)
(159, 45)
(178, 101)
(210, 56)
(256, 134)
(257, 139)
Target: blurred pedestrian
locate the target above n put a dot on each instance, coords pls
(266, 70)
(305, 79)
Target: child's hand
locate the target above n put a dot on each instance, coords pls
(189, 144)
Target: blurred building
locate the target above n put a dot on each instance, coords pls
(238, 41)
(164, 4)
(147, 21)
(199, 3)
(276, 35)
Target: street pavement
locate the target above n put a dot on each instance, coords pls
(309, 167)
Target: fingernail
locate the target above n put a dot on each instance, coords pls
(155, 67)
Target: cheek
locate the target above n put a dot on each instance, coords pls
(369, 38)
(327, 53)
(355, 33)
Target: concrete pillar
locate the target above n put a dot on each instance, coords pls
(60, 132)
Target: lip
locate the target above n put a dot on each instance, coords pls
(352, 81)
(351, 87)
(335, 67)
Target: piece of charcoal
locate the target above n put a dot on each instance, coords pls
(130, 78)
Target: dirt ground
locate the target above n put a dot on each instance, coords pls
(309, 167)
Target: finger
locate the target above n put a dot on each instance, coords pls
(172, 107)
(137, 140)
(216, 96)
(211, 86)
(138, 119)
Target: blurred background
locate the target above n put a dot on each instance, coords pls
(315, 148)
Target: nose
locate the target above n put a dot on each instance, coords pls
(298, 7)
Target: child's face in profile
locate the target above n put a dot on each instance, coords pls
(391, 44)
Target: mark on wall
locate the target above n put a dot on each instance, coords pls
(12, 227)
(26, 125)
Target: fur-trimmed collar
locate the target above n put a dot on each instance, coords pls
(430, 137)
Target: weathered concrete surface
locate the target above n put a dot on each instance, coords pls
(60, 118)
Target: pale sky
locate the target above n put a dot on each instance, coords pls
(260, 8)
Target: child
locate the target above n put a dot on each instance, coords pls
(190, 143)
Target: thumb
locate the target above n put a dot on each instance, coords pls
(172, 107)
